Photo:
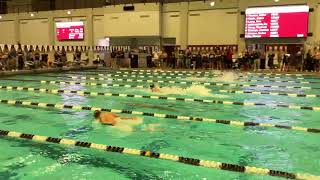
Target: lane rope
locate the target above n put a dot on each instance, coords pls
(214, 75)
(181, 76)
(280, 74)
(200, 72)
(207, 101)
(271, 93)
(158, 115)
(155, 155)
(103, 77)
(152, 81)
(208, 83)
(154, 73)
(161, 77)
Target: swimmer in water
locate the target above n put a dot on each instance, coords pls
(155, 88)
(123, 123)
(110, 118)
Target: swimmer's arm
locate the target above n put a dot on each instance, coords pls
(115, 115)
(129, 118)
(106, 122)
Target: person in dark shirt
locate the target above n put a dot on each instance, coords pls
(270, 60)
(20, 57)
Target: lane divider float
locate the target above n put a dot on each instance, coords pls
(165, 76)
(208, 83)
(168, 98)
(271, 93)
(155, 155)
(220, 75)
(279, 74)
(170, 82)
(153, 71)
(216, 75)
(201, 72)
(161, 77)
(158, 115)
(170, 74)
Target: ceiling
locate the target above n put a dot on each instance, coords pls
(16, 6)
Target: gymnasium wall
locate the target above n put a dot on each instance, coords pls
(171, 26)
(34, 31)
(143, 21)
(212, 27)
(98, 29)
(7, 32)
(194, 23)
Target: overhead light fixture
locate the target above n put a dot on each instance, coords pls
(0, 17)
(69, 12)
(276, 0)
(31, 14)
(212, 3)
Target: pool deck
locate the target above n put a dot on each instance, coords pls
(46, 70)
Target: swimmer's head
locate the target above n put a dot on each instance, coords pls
(152, 86)
(97, 114)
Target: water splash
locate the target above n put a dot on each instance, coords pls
(228, 77)
(194, 90)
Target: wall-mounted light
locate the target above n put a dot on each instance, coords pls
(31, 14)
(0, 17)
(69, 12)
(212, 3)
(276, 0)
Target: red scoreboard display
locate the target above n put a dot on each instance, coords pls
(277, 21)
(70, 31)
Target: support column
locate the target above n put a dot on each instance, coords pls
(313, 25)
(17, 30)
(184, 16)
(89, 34)
(51, 32)
(241, 26)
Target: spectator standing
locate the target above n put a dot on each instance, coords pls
(20, 57)
(256, 61)
(12, 58)
(270, 60)
(309, 61)
(5, 58)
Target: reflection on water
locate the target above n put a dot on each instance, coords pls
(65, 156)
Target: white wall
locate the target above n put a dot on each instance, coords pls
(7, 32)
(34, 31)
(98, 29)
(70, 43)
(213, 27)
(171, 26)
(145, 23)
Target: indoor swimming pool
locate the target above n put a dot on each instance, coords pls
(268, 121)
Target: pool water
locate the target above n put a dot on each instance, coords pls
(271, 148)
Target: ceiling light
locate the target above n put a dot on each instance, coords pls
(69, 12)
(276, 0)
(212, 3)
(31, 14)
(0, 17)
